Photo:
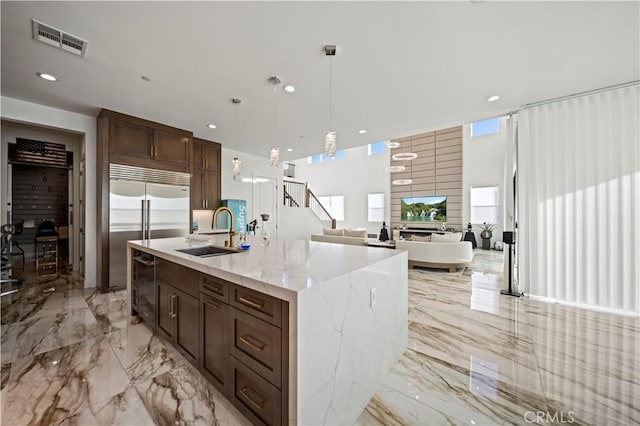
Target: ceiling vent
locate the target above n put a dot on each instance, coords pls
(54, 37)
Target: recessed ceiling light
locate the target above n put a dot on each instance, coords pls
(289, 149)
(493, 98)
(211, 126)
(362, 131)
(289, 88)
(46, 76)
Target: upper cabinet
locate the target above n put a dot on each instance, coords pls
(206, 155)
(136, 142)
(205, 184)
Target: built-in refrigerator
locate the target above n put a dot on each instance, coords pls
(143, 204)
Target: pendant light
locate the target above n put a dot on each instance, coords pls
(274, 154)
(330, 139)
(409, 156)
(236, 160)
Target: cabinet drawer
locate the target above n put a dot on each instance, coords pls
(258, 345)
(258, 304)
(256, 398)
(185, 279)
(214, 287)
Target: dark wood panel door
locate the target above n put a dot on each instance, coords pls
(214, 342)
(171, 147)
(129, 140)
(165, 310)
(211, 156)
(186, 326)
(211, 189)
(197, 197)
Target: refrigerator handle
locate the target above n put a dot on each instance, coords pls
(149, 219)
(144, 220)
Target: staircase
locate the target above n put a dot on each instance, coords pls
(297, 194)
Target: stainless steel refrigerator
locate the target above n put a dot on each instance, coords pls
(143, 204)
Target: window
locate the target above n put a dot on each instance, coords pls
(323, 157)
(484, 127)
(376, 148)
(334, 205)
(484, 202)
(376, 207)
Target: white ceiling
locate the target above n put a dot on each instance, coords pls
(401, 68)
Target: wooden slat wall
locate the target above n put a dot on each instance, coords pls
(39, 193)
(436, 171)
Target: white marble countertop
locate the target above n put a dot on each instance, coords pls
(285, 266)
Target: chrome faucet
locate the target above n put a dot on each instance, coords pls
(232, 233)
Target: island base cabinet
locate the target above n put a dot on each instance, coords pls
(256, 398)
(177, 318)
(214, 346)
(187, 318)
(165, 310)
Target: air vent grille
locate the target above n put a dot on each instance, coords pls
(54, 37)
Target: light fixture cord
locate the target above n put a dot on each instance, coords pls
(275, 117)
(330, 93)
(237, 132)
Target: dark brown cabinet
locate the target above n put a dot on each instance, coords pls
(214, 347)
(205, 184)
(178, 308)
(127, 140)
(171, 148)
(237, 338)
(136, 142)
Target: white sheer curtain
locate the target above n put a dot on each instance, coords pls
(579, 199)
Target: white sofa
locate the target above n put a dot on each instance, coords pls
(443, 255)
(341, 236)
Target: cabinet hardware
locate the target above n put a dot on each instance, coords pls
(245, 300)
(206, 204)
(203, 163)
(245, 339)
(151, 150)
(156, 151)
(206, 163)
(172, 308)
(211, 304)
(203, 203)
(245, 393)
(212, 289)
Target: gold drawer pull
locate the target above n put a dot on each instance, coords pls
(213, 289)
(245, 339)
(251, 303)
(245, 392)
(213, 305)
(172, 308)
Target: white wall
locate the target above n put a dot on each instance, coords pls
(298, 223)
(86, 126)
(355, 176)
(252, 168)
(483, 165)
(73, 142)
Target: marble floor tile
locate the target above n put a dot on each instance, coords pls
(8, 340)
(142, 354)
(125, 408)
(5, 371)
(458, 336)
(10, 308)
(113, 313)
(89, 366)
(44, 303)
(178, 397)
(50, 332)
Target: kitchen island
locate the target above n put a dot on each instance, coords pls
(343, 325)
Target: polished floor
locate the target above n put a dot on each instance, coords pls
(74, 356)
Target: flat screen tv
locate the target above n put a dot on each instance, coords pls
(423, 209)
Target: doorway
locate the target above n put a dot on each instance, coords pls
(265, 200)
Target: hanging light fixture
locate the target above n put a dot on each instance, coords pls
(330, 139)
(236, 160)
(396, 169)
(274, 154)
(405, 156)
(393, 145)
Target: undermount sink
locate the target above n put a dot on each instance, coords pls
(207, 251)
